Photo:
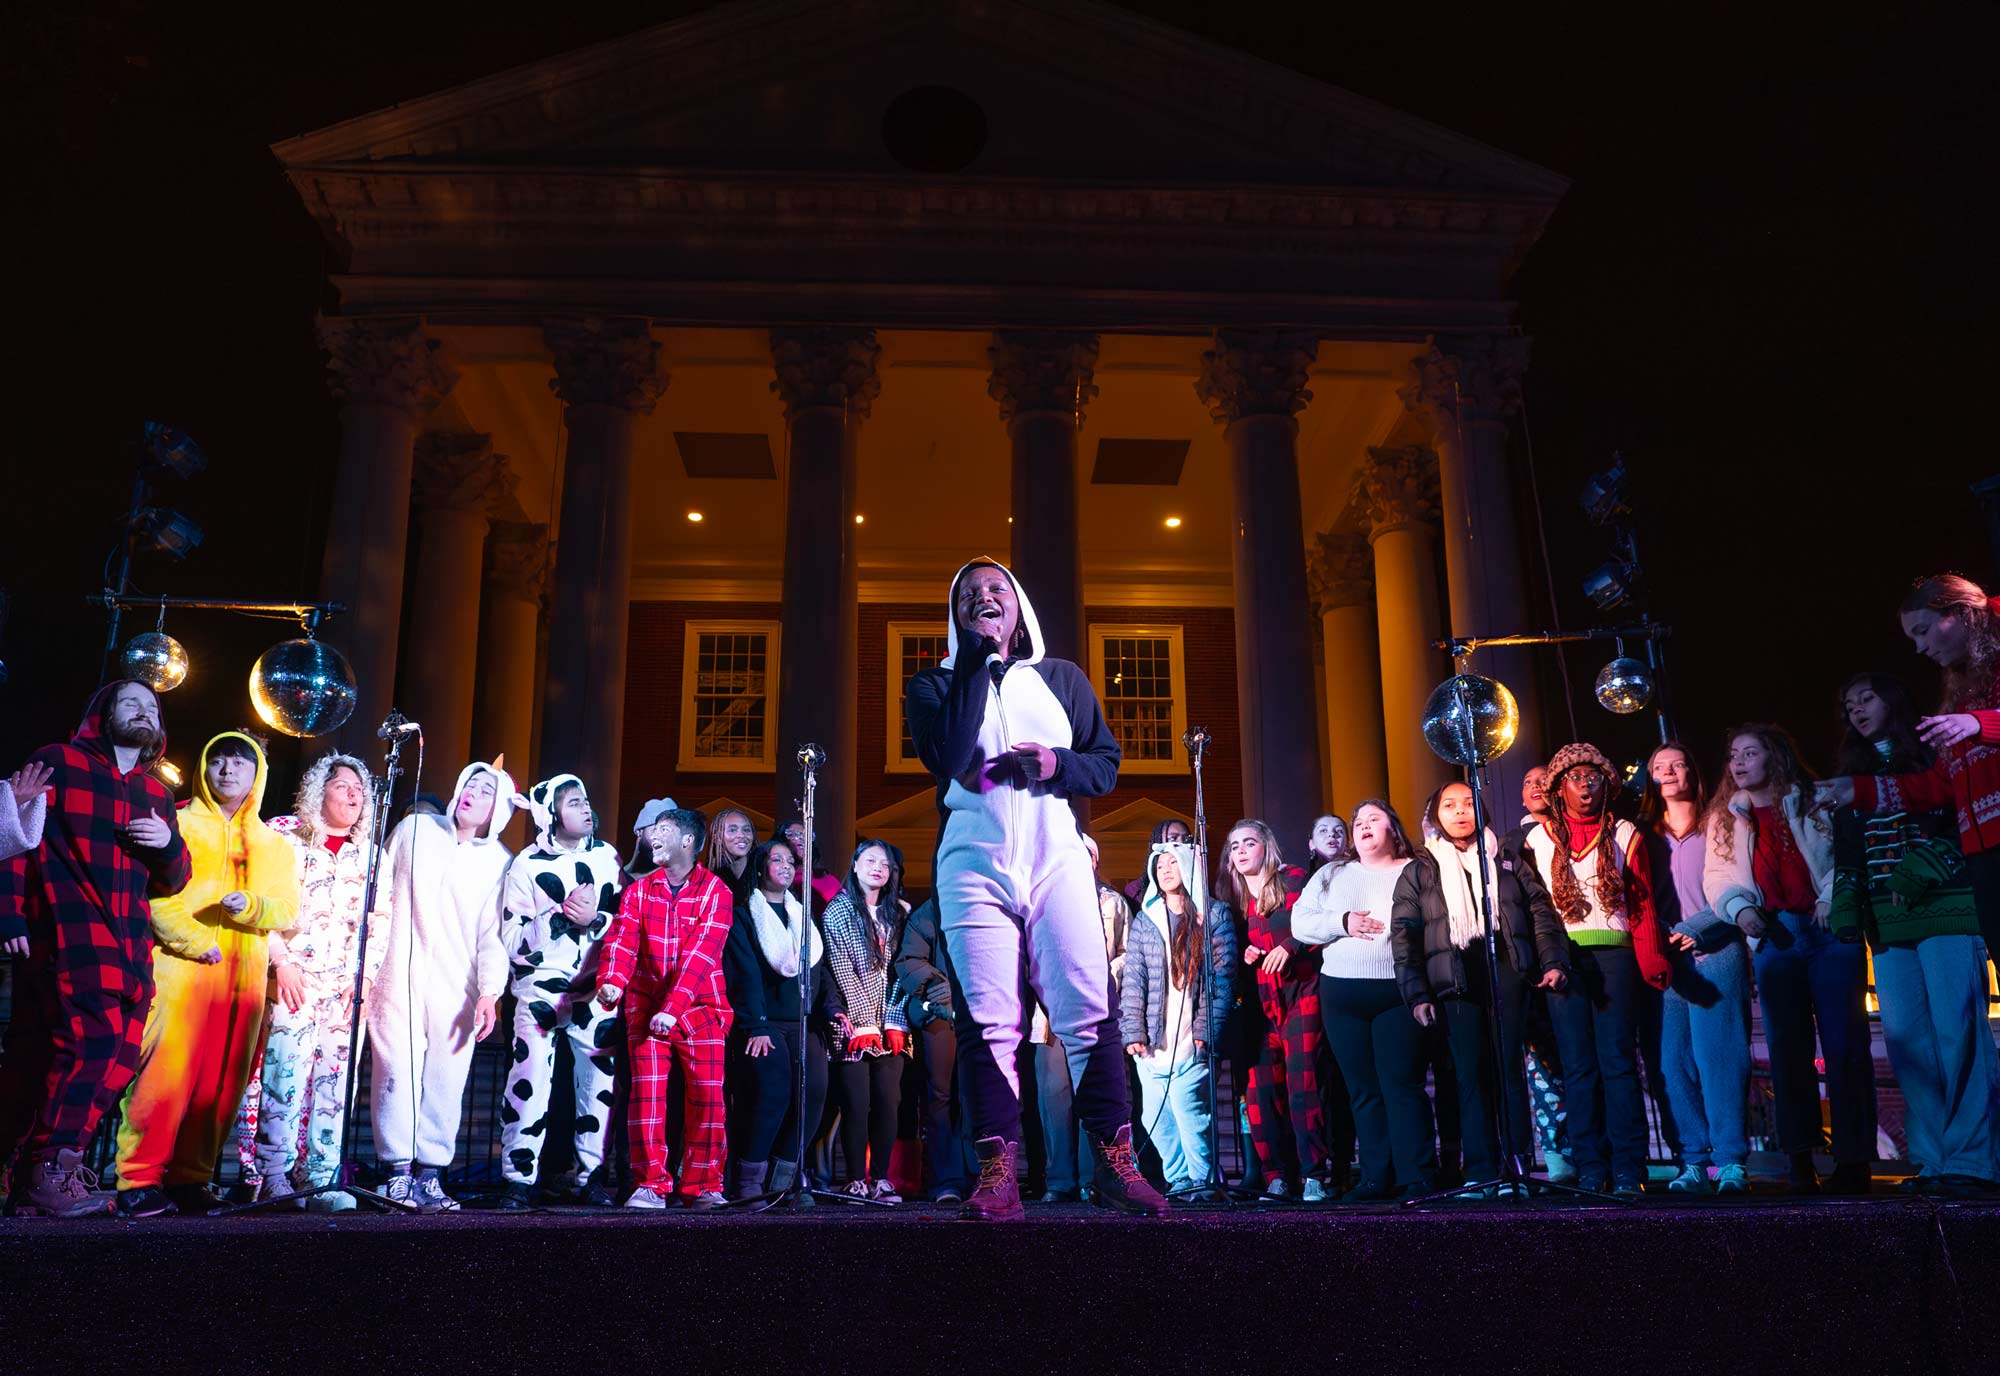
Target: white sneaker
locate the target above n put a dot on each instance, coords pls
(885, 1192)
(1275, 1190)
(1315, 1192)
(431, 1198)
(857, 1188)
(401, 1189)
(332, 1202)
(645, 1198)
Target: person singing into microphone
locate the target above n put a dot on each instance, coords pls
(1011, 735)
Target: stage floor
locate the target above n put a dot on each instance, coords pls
(1873, 1285)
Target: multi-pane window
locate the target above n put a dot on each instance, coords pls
(729, 683)
(913, 646)
(1141, 681)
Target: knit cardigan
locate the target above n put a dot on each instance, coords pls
(1899, 877)
(1966, 776)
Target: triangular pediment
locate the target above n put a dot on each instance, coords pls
(1067, 89)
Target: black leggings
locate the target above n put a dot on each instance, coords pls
(768, 1089)
(871, 1092)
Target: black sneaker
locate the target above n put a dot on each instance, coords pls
(145, 1201)
(515, 1197)
(1628, 1188)
(596, 1194)
(1368, 1192)
(194, 1200)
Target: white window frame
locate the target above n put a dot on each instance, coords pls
(893, 684)
(1177, 678)
(690, 763)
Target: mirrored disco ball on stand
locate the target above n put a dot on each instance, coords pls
(1625, 685)
(302, 688)
(155, 659)
(1470, 718)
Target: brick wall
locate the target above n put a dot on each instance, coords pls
(653, 697)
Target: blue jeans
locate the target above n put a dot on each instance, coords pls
(1705, 1044)
(1807, 979)
(1173, 1110)
(1596, 1017)
(1933, 995)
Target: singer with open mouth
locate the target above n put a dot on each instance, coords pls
(1011, 735)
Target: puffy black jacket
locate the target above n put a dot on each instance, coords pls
(1429, 967)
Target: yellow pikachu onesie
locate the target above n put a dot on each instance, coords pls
(207, 1019)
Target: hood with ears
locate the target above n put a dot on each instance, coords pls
(93, 733)
(1028, 622)
(1154, 903)
(540, 801)
(503, 799)
(204, 796)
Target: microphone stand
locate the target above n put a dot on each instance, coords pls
(1514, 1177)
(811, 757)
(1215, 1183)
(345, 1172)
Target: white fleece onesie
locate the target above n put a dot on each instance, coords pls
(442, 954)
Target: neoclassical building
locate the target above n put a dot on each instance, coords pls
(677, 376)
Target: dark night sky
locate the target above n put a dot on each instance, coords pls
(1764, 288)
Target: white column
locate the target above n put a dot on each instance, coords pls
(1400, 488)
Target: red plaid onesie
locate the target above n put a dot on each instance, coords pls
(664, 950)
(1284, 1079)
(81, 992)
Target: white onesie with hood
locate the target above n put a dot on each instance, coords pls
(442, 953)
(1012, 876)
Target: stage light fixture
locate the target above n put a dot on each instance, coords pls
(160, 531)
(1625, 685)
(166, 450)
(1469, 719)
(302, 688)
(1611, 584)
(1606, 493)
(168, 772)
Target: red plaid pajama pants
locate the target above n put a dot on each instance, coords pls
(696, 1045)
(1284, 1081)
(72, 1048)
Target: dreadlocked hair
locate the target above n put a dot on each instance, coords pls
(1565, 889)
(1970, 683)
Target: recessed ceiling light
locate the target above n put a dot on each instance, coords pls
(859, 518)
(1173, 523)
(695, 516)
(1010, 520)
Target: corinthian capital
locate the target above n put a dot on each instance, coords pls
(517, 559)
(1467, 379)
(391, 362)
(825, 367)
(606, 362)
(1041, 370)
(1398, 487)
(1257, 373)
(1340, 570)
(458, 471)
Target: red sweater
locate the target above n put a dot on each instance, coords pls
(1966, 777)
(1780, 872)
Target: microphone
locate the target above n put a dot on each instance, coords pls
(811, 756)
(396, 724)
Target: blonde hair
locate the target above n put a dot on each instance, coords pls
(1266, 890)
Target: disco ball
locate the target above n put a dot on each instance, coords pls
(1625, 685)
(1470, 719)
(155, 659)
(302, 688)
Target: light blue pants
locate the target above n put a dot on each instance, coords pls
(1933, 996)
(1705, 1048)
(1173, 1111)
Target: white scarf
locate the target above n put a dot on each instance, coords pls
(777, 938)
(1458, 876)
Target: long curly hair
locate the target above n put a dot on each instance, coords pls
(1968, 684)
(1789, 776)
(309, 802)
(1907, 752)
(1565, 889)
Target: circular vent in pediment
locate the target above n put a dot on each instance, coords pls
(934, 129)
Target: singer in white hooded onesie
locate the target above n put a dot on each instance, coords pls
(443, 971)
(1011, 736)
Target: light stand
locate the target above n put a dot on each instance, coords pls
(811, 757)
(395, 730)
(1473, 753)
(1196, 739)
